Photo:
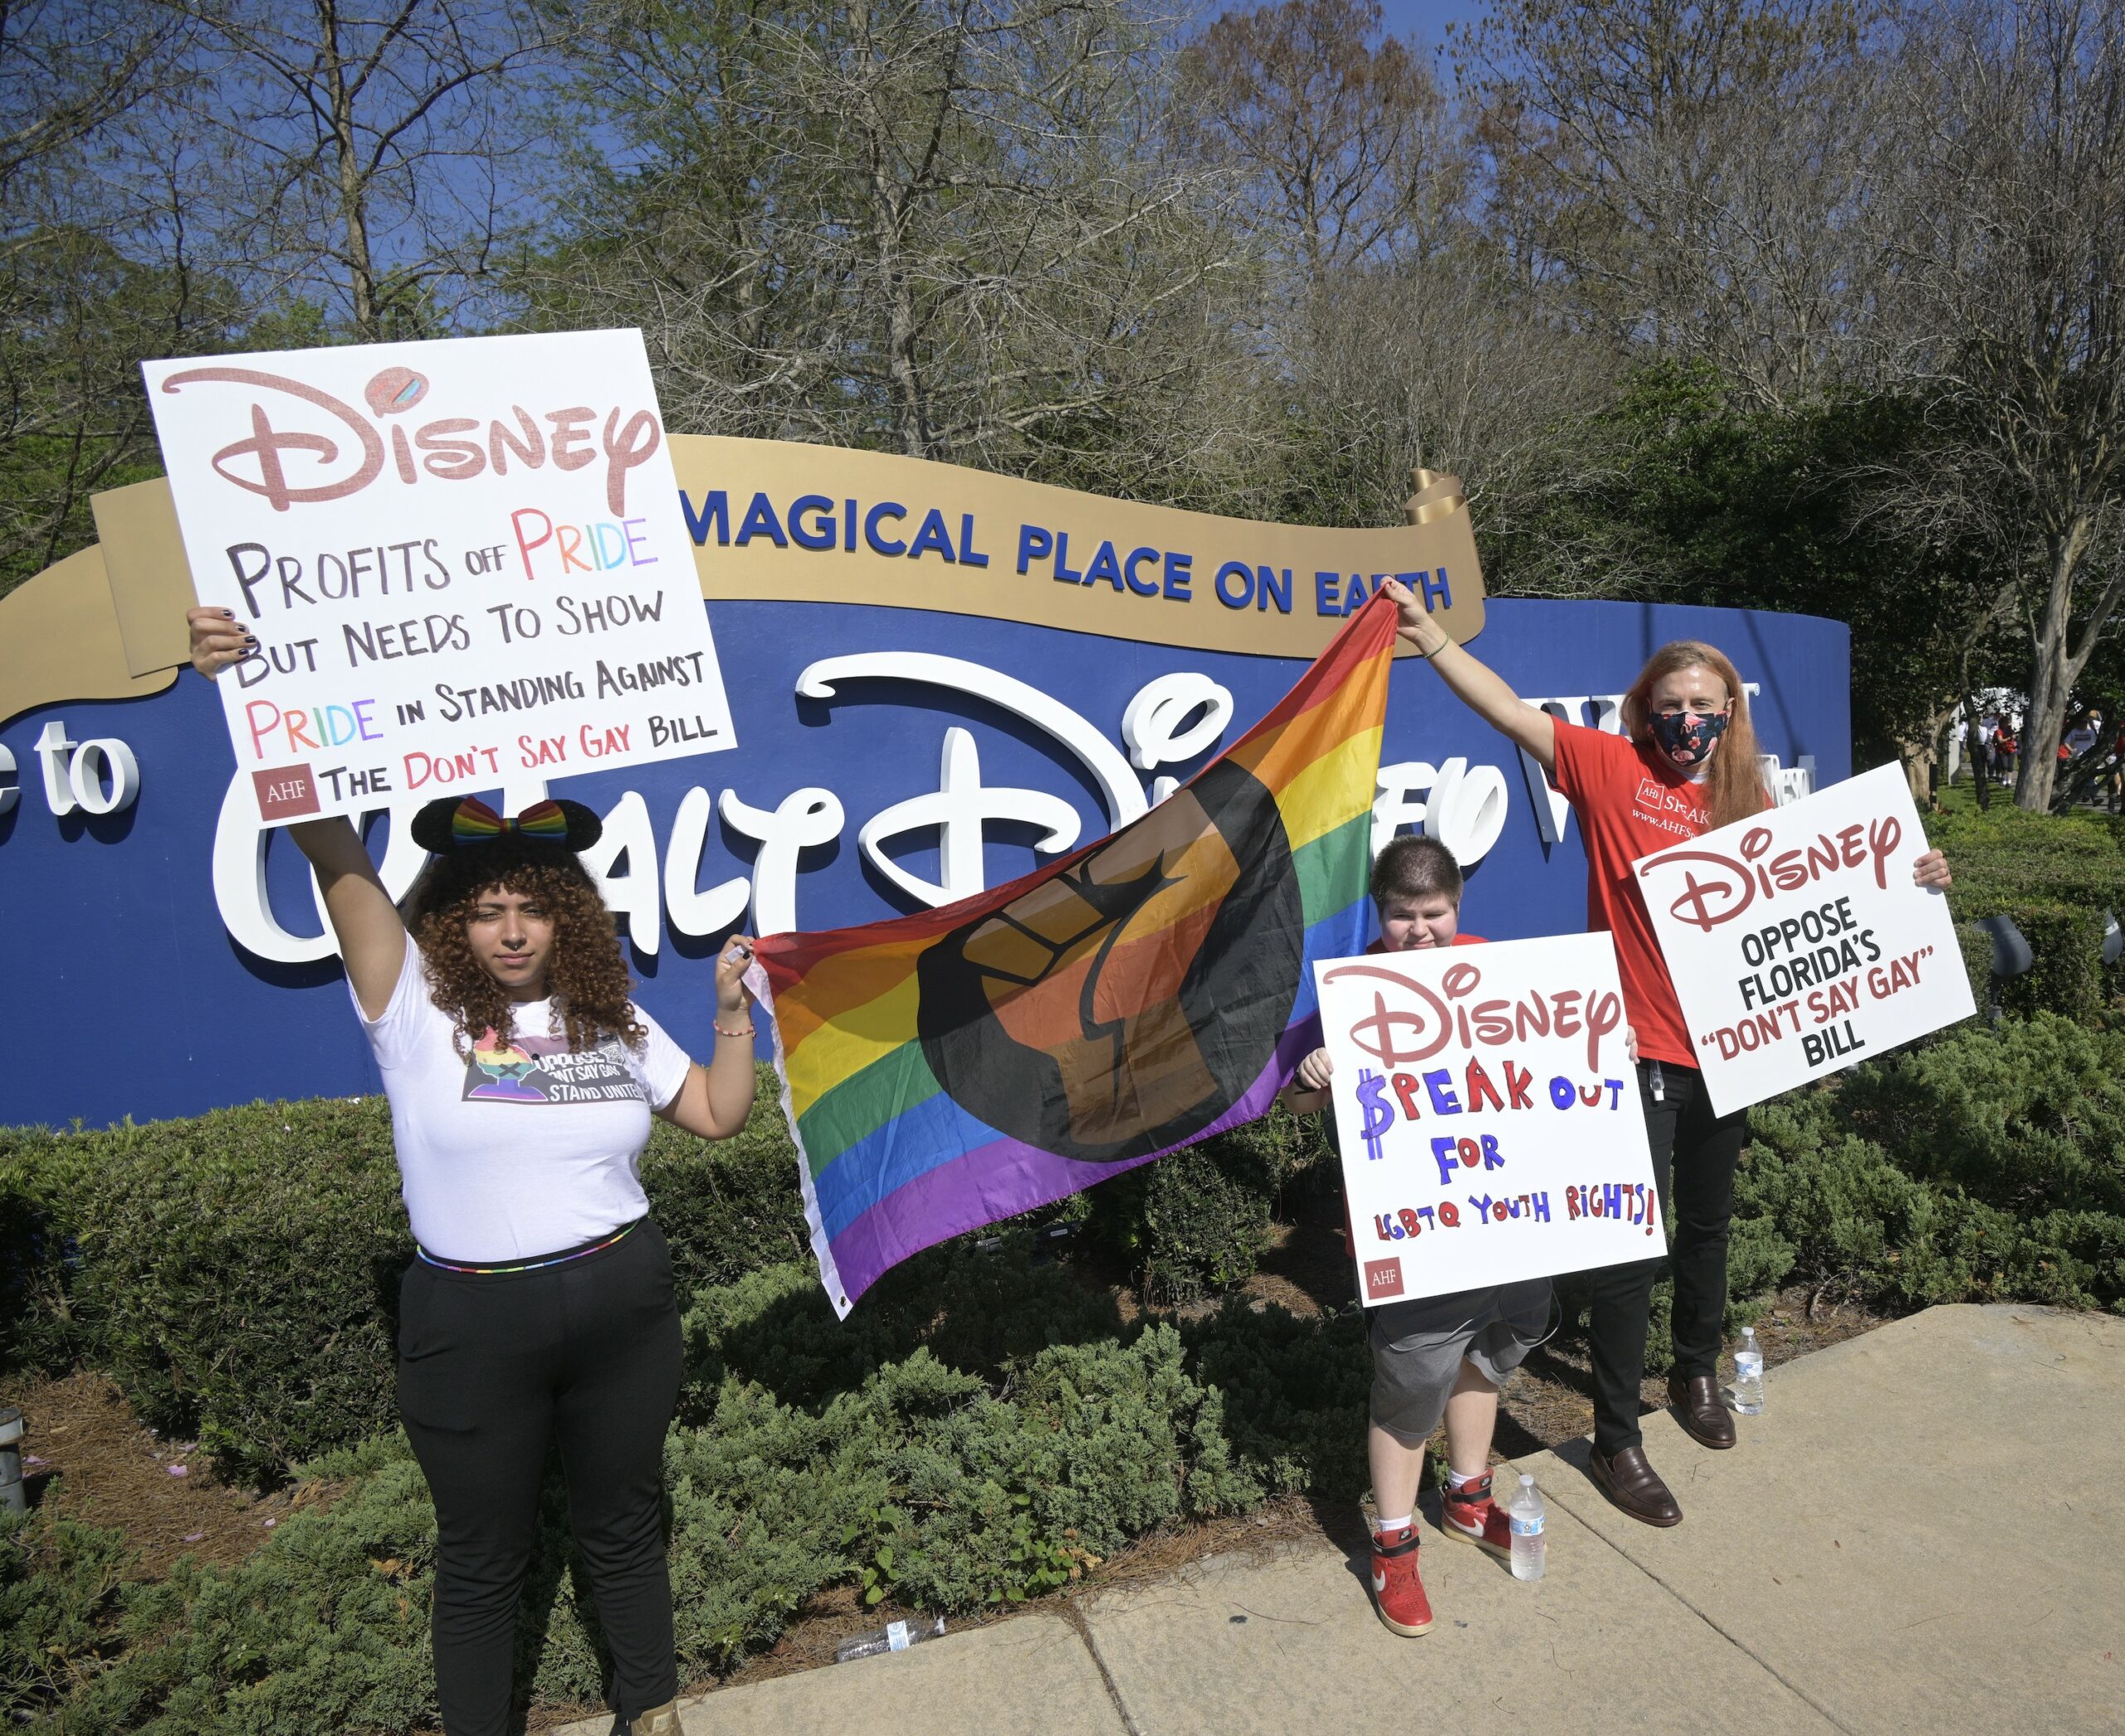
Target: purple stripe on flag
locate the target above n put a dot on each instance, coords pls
(1008, 1176)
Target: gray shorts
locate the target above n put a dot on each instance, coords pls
(1418, 1347)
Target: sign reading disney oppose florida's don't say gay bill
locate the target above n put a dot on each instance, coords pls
(1799, 944)
(465, 562)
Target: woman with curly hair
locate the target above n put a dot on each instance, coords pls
(1685, 764)
(539, 1305)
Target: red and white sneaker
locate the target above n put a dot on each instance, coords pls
(1398, 1592)
(1469, 1513)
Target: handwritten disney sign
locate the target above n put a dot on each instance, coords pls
(465, 562)
(1488, 1115)
(1798, 943)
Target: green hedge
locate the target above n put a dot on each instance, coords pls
(236, 1274)
(978, 1430)
(2058, 877)
(1988, 1167)
(1195, 1224)
(922, 1481)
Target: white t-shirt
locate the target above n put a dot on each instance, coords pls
(519, 1150)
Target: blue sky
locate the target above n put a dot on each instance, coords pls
(1426, 20)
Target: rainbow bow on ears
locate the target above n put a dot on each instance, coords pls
(474, 822)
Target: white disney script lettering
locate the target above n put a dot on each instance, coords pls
(1173, 719)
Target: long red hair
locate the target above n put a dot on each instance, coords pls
(1733, 788)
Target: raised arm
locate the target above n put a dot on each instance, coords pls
(1474, 683)
(365, 921)
(715, 1100)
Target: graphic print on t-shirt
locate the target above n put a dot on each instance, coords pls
(1658, 804)
(543, 1070)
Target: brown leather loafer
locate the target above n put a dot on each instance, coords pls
(1698, 1410)
(1634, 1486)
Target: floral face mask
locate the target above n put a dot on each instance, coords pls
(1688, 737)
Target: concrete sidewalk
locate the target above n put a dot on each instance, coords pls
(1919, 1533)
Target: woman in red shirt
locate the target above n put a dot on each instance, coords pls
(1685, 764)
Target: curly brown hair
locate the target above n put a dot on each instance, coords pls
(587, 976)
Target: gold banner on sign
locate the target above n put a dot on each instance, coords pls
(780, 520)
(772, 519)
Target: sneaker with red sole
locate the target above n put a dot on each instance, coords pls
(1397, 1592)
(1468, 1513)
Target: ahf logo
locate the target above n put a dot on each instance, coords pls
(285, 792)
(1383, 1279)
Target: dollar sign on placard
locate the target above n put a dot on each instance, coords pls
(1378, 1117)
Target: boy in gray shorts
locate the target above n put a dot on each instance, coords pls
(1434, 1355)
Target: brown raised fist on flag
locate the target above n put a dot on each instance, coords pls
(1128, 999)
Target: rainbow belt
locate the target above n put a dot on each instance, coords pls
(531, 1265)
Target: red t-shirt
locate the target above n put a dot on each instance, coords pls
(1630, 802)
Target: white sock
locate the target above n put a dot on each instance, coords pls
(1387, 1527)
(1455, 1480)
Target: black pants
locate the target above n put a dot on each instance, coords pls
(493, 1366)
(1699, 1150)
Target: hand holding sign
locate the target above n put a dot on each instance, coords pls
(1488, 1114)
(1807, 937)
(438, 567)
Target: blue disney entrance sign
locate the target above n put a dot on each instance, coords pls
(911, 729)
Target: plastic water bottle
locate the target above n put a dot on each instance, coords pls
(1530, 1546)
(1748, 1375)
(893, 1636)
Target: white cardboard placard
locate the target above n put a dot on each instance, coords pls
(1488, 1115)
(1798, 943)
(465, 562)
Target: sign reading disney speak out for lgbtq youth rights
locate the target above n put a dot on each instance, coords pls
(465, 562)
(1488, 1114)
(1798, 943)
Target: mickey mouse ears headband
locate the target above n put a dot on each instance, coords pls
(449, 823)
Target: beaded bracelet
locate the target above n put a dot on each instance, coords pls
(720, 1032)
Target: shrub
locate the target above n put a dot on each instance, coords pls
(2030, 1116)
(949, 1494)
(1295, 1393)
(1985, 1167)
(1195, 1224)
(981, 1310)
(2058, 877)
(233, 1273)
(60, 1604)
(1204, 1225)
(236, 1274)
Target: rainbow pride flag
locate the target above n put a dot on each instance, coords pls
(942, 1070)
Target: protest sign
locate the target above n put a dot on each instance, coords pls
(1488, 1115)
(465, 562)
(1798, 943)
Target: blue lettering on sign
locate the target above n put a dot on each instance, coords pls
(760, 520)
(811, 522)
(931, 538)
(1378, 1116)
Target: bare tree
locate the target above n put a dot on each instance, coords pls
(946, 226)
(1346, 147)
(1704, 176)
(364, 153)
(2011, 322)
(69, 68)
(94, 268)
